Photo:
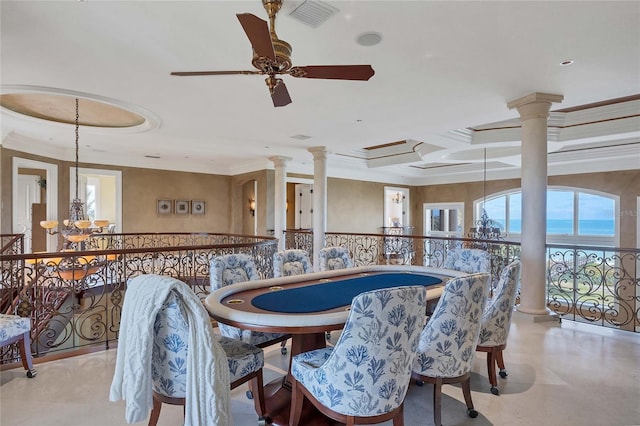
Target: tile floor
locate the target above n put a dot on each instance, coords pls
(559, 374)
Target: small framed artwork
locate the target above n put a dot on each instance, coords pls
(197, 207)
(165, 206)
(182, 207)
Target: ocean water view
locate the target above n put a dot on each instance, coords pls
(565, 226)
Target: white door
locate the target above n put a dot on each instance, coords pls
(304, 206)
(28, 193)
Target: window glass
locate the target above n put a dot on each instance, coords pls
(595, 215)
(515, 213)
(559, 212)
(496, 210)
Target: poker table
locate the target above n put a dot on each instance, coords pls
(307, 306)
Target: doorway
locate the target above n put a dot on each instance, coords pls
(22, 195)
(101, 191)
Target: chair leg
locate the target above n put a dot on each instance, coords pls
(155, 412)
(437, 402)
(500, 361)
(25, 355)
(466, 391)
(491, 371)
(297, 398)
(256, 387)
(398, 420)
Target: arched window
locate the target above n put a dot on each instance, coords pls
(574, 215)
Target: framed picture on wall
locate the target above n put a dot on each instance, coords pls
(182, 207)
(197, 207)
(165, 206)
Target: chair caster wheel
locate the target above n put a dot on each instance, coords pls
(495, 390)
(419, 383)
(472, 413)
(503, 373)
(283, 350)
(249, 394)
(264, 421)
(31, 373)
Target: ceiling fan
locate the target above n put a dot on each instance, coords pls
(272, 57)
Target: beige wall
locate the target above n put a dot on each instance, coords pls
(143, 187)
(354, 206)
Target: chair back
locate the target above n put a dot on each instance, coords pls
(496, 319)
(332, 258)
(291, 262)
(170, 346)
(448, 341)
(231, 269)
(467, 260)
(369, 369)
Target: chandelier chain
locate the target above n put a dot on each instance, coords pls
(77, 146)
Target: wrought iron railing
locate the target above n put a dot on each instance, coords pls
(595, 285)
(74, 299)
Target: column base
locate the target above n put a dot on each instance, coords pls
(539, 315)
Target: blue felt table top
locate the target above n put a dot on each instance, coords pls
(325, 296)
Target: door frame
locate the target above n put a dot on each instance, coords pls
(51, 194)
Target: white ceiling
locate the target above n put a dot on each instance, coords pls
(441, 70)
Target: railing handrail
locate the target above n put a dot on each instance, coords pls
(14, 238)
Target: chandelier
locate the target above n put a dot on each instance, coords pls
(77, 227)
(486, 228)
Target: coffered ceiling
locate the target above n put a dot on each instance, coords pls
(437, 104)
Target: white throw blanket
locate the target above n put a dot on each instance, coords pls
(207, 393)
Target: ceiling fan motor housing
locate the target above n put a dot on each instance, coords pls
(283, 50)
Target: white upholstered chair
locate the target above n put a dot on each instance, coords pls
(291, 262)
(468, 260)
(232, 269)
(15, 329)
(496, 322)
(448, 341)
(169, 361)
(332, 258)
(365, 376)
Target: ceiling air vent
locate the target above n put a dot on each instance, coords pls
(301, 137)
(313, 13)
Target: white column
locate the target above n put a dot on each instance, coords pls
(280, 198)
(319, 201)
(534, 112)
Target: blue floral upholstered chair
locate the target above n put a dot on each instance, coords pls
(332, 258)
(291, 262)
(365, 376)
(236, 268)
(14, 328)
(467, 260)
(496, 322)
(169, 361)
(448, 341)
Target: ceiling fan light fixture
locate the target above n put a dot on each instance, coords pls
(369, 39)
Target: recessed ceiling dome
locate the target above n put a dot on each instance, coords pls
(58, 106)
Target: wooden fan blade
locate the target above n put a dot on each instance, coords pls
(280, 95)
(257, 31)
(192, 73)
(337, 72)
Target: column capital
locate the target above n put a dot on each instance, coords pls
(534, 105)
(280, 160)
(318, 151)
